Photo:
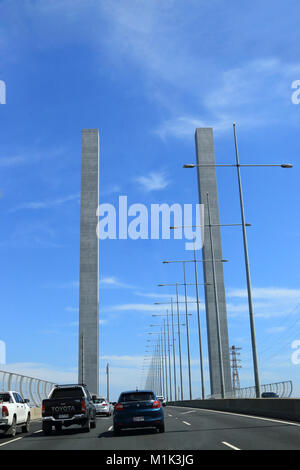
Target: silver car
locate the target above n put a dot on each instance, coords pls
(162, 400)
(102, 406)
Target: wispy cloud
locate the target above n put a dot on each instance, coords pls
(47, 204)
(154, 182)
(113, 282)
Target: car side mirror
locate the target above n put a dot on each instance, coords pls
(26, 400)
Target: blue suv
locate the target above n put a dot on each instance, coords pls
(136, 409)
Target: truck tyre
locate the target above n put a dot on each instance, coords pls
(12, 430)
(58, 427)
(26, 427)
(47, 428)
(86, 426)
(94, 422)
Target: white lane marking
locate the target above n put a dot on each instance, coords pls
(170, 415)
(186, 412)
(291, 423)
(230, 445)
(9, 442)
(110, 428)
(189, 424)
(35, 432)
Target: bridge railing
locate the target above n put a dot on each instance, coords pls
(282, 389)
(28, 387)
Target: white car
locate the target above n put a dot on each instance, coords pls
(14, 412)
(162, 400)
(102, 406)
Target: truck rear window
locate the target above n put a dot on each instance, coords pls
(67, 393)
(5, 397)
(137, 396)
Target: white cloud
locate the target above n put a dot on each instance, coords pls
(113, 282)
(47, 204)
(154, 182)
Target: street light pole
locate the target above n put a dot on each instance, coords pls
(238, 165)
(216, 302)
(250, 303)
(179, 342)
(187, 332)
(199, 326)
(174, 363)
(169, 353)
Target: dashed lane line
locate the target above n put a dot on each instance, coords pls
(230, 445)
(10, 442)
(185, 422)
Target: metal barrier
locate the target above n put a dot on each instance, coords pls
(282, 389)
(28, 387)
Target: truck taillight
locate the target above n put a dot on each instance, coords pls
(5, 412)
(83, 407)
(156, 404)
(119, 406)
(43, 408)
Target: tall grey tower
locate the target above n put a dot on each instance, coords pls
(88, 364)
(207, 183)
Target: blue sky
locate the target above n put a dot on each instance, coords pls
(146, 74)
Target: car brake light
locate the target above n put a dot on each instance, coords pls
(5, 412)
(83, 407)
(104, 404)
(43, 408)
(156, 404)
(119, 406)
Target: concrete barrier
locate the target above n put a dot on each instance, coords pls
(36, 413)
(281, 408)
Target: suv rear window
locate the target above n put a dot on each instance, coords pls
(67, 393)
(136, 396)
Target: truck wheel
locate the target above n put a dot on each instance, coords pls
(86, 426)
(58, 427)
(26, 427)
(12, 430)
(94, 423)
(47, 428)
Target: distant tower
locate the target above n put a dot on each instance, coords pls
(88, 363)
(207, 183)
(235, 367)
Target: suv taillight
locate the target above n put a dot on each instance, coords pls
(119, 406)
(43, 408)
(156, 404)
(4, 411)
(83, 407)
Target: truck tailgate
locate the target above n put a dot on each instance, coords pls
(62, 408)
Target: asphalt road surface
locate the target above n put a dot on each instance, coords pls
(186, 429)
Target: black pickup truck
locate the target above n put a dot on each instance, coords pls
(68, 405)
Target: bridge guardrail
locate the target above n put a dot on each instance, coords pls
(283, 390)
(29, 387)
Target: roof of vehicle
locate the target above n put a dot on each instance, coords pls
(138, 391)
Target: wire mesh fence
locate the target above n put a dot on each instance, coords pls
(31, 388)
(280, 389)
